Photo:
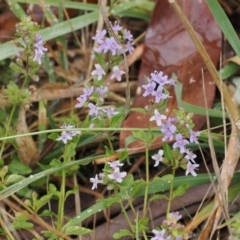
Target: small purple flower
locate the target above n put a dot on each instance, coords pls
(168, 133)
(37, 57)
(149, 88)
(193, 136)
(99, 35)
(117, 175)
(18, 54)
(190, 169)
(111, 45)
(159, 95)
(102, 47)
(71, 133)
(98, 72)
(38, 37)
(115, 164)
(65, 136)
(95, 181)
(159, 235)
(88, 91)
(158, 157)
(116, 27)
(171, 81)
(158, 117)
(39, 49)
(127, 35)
(175, 216)
(180, 143)
(190, 155)
(81, 100)
(93, 109)
(110, 112)
(129, 47)
(117, 73)
(102, 90)
(159, 78)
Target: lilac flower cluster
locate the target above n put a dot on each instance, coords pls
(170, 225)
(156, 86)
(39, 49)
(169, 131)
(115, 175)
(67, 135)
(109, 44)
(97, 93)
(98, 73)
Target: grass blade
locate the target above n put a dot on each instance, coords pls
(225, 25)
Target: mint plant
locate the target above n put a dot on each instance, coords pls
(177, 129)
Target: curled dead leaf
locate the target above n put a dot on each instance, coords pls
(27, 149)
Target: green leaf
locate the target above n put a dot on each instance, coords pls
(69, 151)
(47, 213)
(117, 120)
(130, 139)
(53, 136)
(200, 179)
(8, 49)
(73, 191)
(17, 186)
(100, 59)
(167, 152)
(141, 135)
(13, 178)
(42, 201)
(3, 172)
(110, 200)
(139, 184)
(229, 70)
(21, 222)
(128, 181)
(122, 233)
(166, 178)
(123, 155)
(76, 230)
(17, 167)
(157, 197)
(17, 95)
(16, 68)
(142, 224)
(180, 190)
(225, 25)
(192, 108)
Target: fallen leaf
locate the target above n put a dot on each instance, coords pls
(169, 48)
(27, 149)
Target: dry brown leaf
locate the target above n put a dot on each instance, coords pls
(27, 149)
(169, 48)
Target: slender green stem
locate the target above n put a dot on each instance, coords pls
(171, 192)
(74, 129)
(147, 183)
(144, 235)
(62, 196)
(7, 128)
(132, 208)
(126, 216)
(110, 143)
(61, 201)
